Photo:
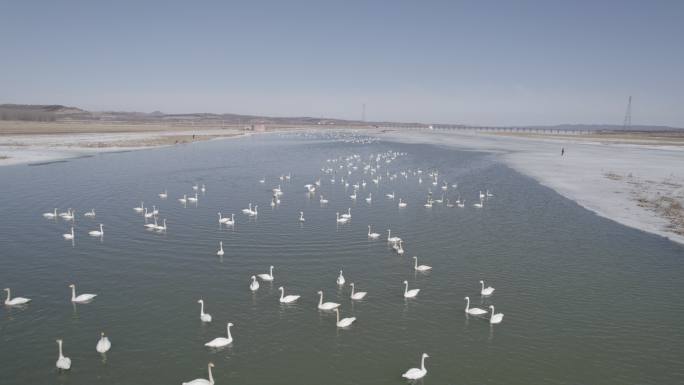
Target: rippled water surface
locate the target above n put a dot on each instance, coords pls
(586, 301)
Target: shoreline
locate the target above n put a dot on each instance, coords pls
(637, 185)
(17, 149)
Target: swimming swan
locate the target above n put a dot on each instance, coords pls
(340, 279)
(410, 293)
(221, 341)
(326, 305)
(372, 235)
(82, 298)
(344, 322)
(415, 373)
(16, 301)
(420, 267)
(254, 286)
(205, 317)
(287, 298)
(486, 290)
(96, 233)
(202, 381)
(63, 363)
(268, 276)
(474, 310)
(103, 345)
(357, 295)
(496, 318)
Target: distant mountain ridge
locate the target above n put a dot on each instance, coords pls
(57, 112)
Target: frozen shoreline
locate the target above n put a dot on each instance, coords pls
(39, 148)
(634, 185)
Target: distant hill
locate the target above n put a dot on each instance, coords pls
(57, 112)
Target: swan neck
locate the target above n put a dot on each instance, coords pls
(338, 315)
(229, 336)
(422, 363)
(8, 295)
(405, 288)
(202, 308)
(467, 303)
(60, 349)
(482, 284)
(320, 299)
(73, 293)
(211, 378)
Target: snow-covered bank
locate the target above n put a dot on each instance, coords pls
(39, 148)
(640, 186)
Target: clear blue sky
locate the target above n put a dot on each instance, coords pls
(508, 62)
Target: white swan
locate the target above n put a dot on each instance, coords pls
(162, 227)
(460, 204)
(323, 200)
(482, 196)
(16, 301)
(401, 204)
(420, 267)
(486, 290)
(96, 233)
(344, 322)
(301, 216)
(353, 196)
(391, 239)
(63, 363)
(341, 220)
(348, 214)
(219, 342)
(357, 295)
(204, 188)
(415, 373)
(90, 214)
(184, 199)
(223, 219)
(205, 317)
(390, 196)
(474, 310)
(163, 195)
(149, 214)
(340, 279)
(254, 212)
(195, 187)
(287, 298)
(64, 214)
(140, 208)
(372, 235)
(69, 215)
(81, 298)
(193, 199)
(268, 276)
(488, 194)
(410, 293)
(399, 248)
(103, 345)
(369, 199)
(495, 318)
(50, 215)
(202, 381)
(479, 205)
(69, 236)
(220, 250)
(325, 305)
(254, 286)
(231, 220)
